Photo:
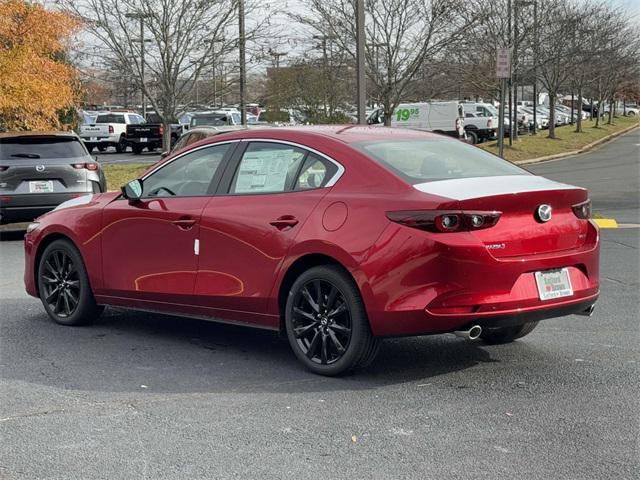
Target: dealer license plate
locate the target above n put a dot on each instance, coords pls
(45, 186)
(93, 139)
(554, 284)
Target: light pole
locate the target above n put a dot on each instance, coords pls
(360, 43)
(243, 111)
(141, 16)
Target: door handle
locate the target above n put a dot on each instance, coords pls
(285, 221)
(184, 223)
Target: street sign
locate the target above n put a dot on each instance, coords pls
(503, 63)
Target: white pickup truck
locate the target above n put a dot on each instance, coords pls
(480, 121)
(109, 130)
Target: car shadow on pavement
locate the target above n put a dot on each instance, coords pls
(127, 351)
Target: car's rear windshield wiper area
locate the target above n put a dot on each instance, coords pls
(25, 155)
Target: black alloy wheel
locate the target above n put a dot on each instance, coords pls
(326, 322)
(61, 285)
(64, 286)
(321, 322)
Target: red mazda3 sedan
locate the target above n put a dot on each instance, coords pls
(338, 236)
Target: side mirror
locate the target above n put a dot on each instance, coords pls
(164, 155)
(132, 191)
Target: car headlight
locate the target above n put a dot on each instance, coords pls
(32, 226)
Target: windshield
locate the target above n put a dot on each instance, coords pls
(493, 110)
(33, 147)
(418, 161)
(213, 120)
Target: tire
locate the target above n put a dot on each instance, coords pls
(507, 334)
(102, 148)
(61, 264)
(631, 114)
(89, 148)
(472, 136)
(121, 146)
(136, 149)
(314, 334)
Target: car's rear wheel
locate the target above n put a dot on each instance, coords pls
(64, 286)
(327, 324)
(102, 148)
(121, 146)
(137, 149)
(507, 334)
(89, 148)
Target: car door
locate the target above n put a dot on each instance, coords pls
(247, 230)
(150, 247)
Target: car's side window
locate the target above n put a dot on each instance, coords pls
(187, 176)
(267, 167)
(315, 173)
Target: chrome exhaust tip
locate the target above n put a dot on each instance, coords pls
(588, 312)
(472, 334)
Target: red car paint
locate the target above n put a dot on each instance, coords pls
(141, 255)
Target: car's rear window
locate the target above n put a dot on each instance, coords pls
(212, 120)
(33, 147)
(110, 118)
(418, 161)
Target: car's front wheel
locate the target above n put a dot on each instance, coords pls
(507, 334)
(64, 286)
(327, 324)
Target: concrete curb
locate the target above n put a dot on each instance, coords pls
(584, 149)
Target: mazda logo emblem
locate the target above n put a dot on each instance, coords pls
(544, 213)
(40, 168)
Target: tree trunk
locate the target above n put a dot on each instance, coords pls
(610, 111)
(579, 112)
(166, 138)
(552, 114)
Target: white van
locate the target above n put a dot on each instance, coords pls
(437, 117)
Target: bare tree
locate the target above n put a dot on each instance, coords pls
(402, 35)
(185, 39)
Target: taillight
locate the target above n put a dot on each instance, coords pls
(582, 210)
(111, 129)
(445, 220)
(89, 166)
(161, 130)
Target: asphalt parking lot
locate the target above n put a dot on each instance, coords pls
(139, 395)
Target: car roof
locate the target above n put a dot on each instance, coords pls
(37, 134)
(343, 133)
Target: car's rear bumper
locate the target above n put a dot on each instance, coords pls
(458, 284)
(26, 207)
(111, 139)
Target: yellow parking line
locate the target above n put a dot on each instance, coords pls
(606, 222)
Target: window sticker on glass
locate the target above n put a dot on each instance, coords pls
(267, 170)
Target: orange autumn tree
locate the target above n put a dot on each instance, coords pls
(35, 85)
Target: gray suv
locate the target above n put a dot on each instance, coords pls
(39, 171)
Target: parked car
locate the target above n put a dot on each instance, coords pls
(542, 121)
(335, 236)
(109, 130)
(150, 134)
(40, 170)
(439, 117)
(215, 119)
(480, 123)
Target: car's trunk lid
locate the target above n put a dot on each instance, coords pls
(520, 230)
